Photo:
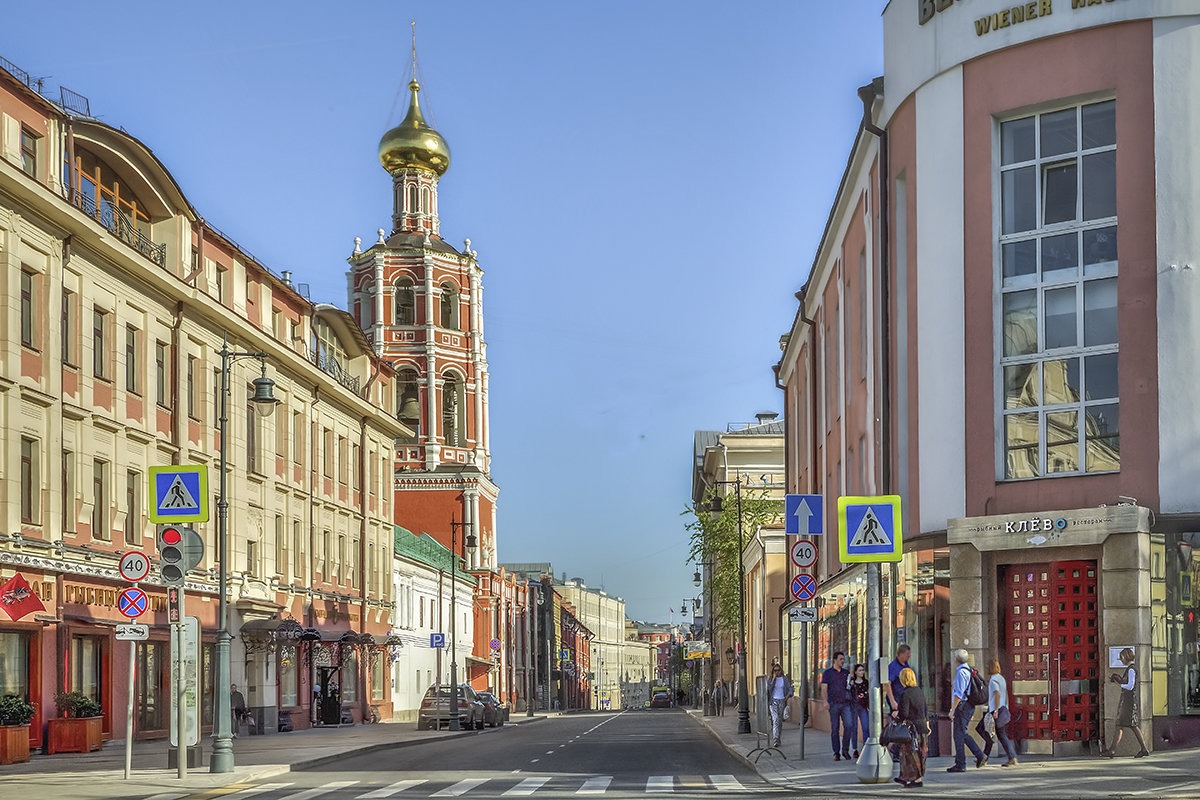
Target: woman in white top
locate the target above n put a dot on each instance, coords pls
(1128, 715)
(998, 709)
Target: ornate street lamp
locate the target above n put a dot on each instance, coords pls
(264, 401)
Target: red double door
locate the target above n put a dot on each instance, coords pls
(1050, 649)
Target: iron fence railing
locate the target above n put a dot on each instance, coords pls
(332, 367)
(119, 224)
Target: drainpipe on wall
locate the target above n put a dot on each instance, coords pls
(365, 694)
(813, 472)
(191, 276)
(868, 94)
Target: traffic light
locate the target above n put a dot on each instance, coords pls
(179, 549)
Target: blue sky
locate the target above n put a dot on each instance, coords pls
(645, 182)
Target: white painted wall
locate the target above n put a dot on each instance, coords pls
(1177, 204)
(941, 393)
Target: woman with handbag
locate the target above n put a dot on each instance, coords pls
(1128, 715)
(998, 710)
(860, 704)
(911, 719)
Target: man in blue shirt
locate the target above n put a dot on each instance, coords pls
(893, 687)
(836, 697)
(961, 711)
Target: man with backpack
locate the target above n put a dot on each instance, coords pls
(968, 691)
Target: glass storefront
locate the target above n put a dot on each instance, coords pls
(1175, 623)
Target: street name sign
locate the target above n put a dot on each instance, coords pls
(697, 649)
(133, 632)
(804, 554)
(804, 587)
(802, 614)
(869, 529)
(179, 493)
(804, 514)
(437, 640)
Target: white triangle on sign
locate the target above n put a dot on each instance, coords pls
(178, 496)
(870, 532)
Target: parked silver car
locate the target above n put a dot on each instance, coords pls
(435, 708)
(496, 713)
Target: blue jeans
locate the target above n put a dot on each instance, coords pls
(861, 718)
(962, 739)
(842, 715)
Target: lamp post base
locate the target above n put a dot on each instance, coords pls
(875, 763)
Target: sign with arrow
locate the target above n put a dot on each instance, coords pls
(804, 514)
(869, 529)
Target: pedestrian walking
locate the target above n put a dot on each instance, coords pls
(911, 712)
(961, 710)
(779, 689)
(719, 697)
(1000, 714)
(860, 706)
(237, 707)
(836, 698)
(893, 688)
(1128, 714)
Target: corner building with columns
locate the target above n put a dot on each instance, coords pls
(419, 300)
(1000, 326)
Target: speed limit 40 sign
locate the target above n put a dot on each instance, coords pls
(134, 566)
(804, 554)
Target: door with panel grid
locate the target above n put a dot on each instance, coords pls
(1051, 642)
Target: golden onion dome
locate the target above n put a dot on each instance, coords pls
(413, 144)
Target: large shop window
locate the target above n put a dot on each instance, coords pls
(14, 664)
(1175, 622)
(153, 686)
(289, 676)
(86, 662)
(1058, 285)
(349, 676)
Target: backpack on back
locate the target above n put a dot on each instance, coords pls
(977, 690)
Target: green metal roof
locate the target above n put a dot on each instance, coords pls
(428, 550)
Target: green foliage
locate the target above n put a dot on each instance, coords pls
(76, 704)
(714, 540)
(15, 710)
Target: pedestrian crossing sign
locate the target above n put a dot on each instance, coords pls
(179, 493)
(869, 529)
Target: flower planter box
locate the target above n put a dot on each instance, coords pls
(14, 744)
(75, 734)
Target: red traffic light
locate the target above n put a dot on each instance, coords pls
(171, 536)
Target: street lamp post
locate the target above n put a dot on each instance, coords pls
(469, 542)
(743, 690)
(264, 402)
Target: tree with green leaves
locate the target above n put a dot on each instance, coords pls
(713, 540)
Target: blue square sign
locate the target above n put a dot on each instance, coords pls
(179, 493)
(437, 640)
(869, 529)
(804, 514)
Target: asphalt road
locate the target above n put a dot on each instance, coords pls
(580, 756)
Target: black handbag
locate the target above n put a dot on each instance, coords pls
(896, 733)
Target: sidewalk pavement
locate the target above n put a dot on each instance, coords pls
(1166, 774)
(100, 775)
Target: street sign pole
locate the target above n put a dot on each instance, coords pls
(875, 763)
(129, 710)
(803, 686)
(181, 749)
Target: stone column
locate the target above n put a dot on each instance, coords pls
(1124, 603)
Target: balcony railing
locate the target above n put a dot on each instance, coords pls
(330, 366)
(119, 224)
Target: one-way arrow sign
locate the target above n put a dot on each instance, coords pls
(804, 514)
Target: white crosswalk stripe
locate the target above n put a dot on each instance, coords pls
(660, 783)
(527, 786)
(317, 791)
(596, 785)
(260, 789)
(460, 788)
(392, 789)
(726, 783)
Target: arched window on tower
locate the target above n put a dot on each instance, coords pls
(406, 302)
(425, 209)
(454, 410)
(449, 306)
(412, 199)
(408, 400)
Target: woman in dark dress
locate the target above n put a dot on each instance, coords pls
(860, 704)
(912, 713)
(1128, 715)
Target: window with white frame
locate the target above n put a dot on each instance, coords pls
(1057, 331)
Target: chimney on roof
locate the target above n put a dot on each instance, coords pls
(287, 277)
(764, 417)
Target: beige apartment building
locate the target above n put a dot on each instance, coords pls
(118, 296)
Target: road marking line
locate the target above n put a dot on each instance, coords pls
(660, 783)
(317, 791)
(260, 789)
(692, 782)
(534, 761)
(460, 788)
(393, 788)
(726, 783)
(167, 796)
(527, 786)
(596, 785)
